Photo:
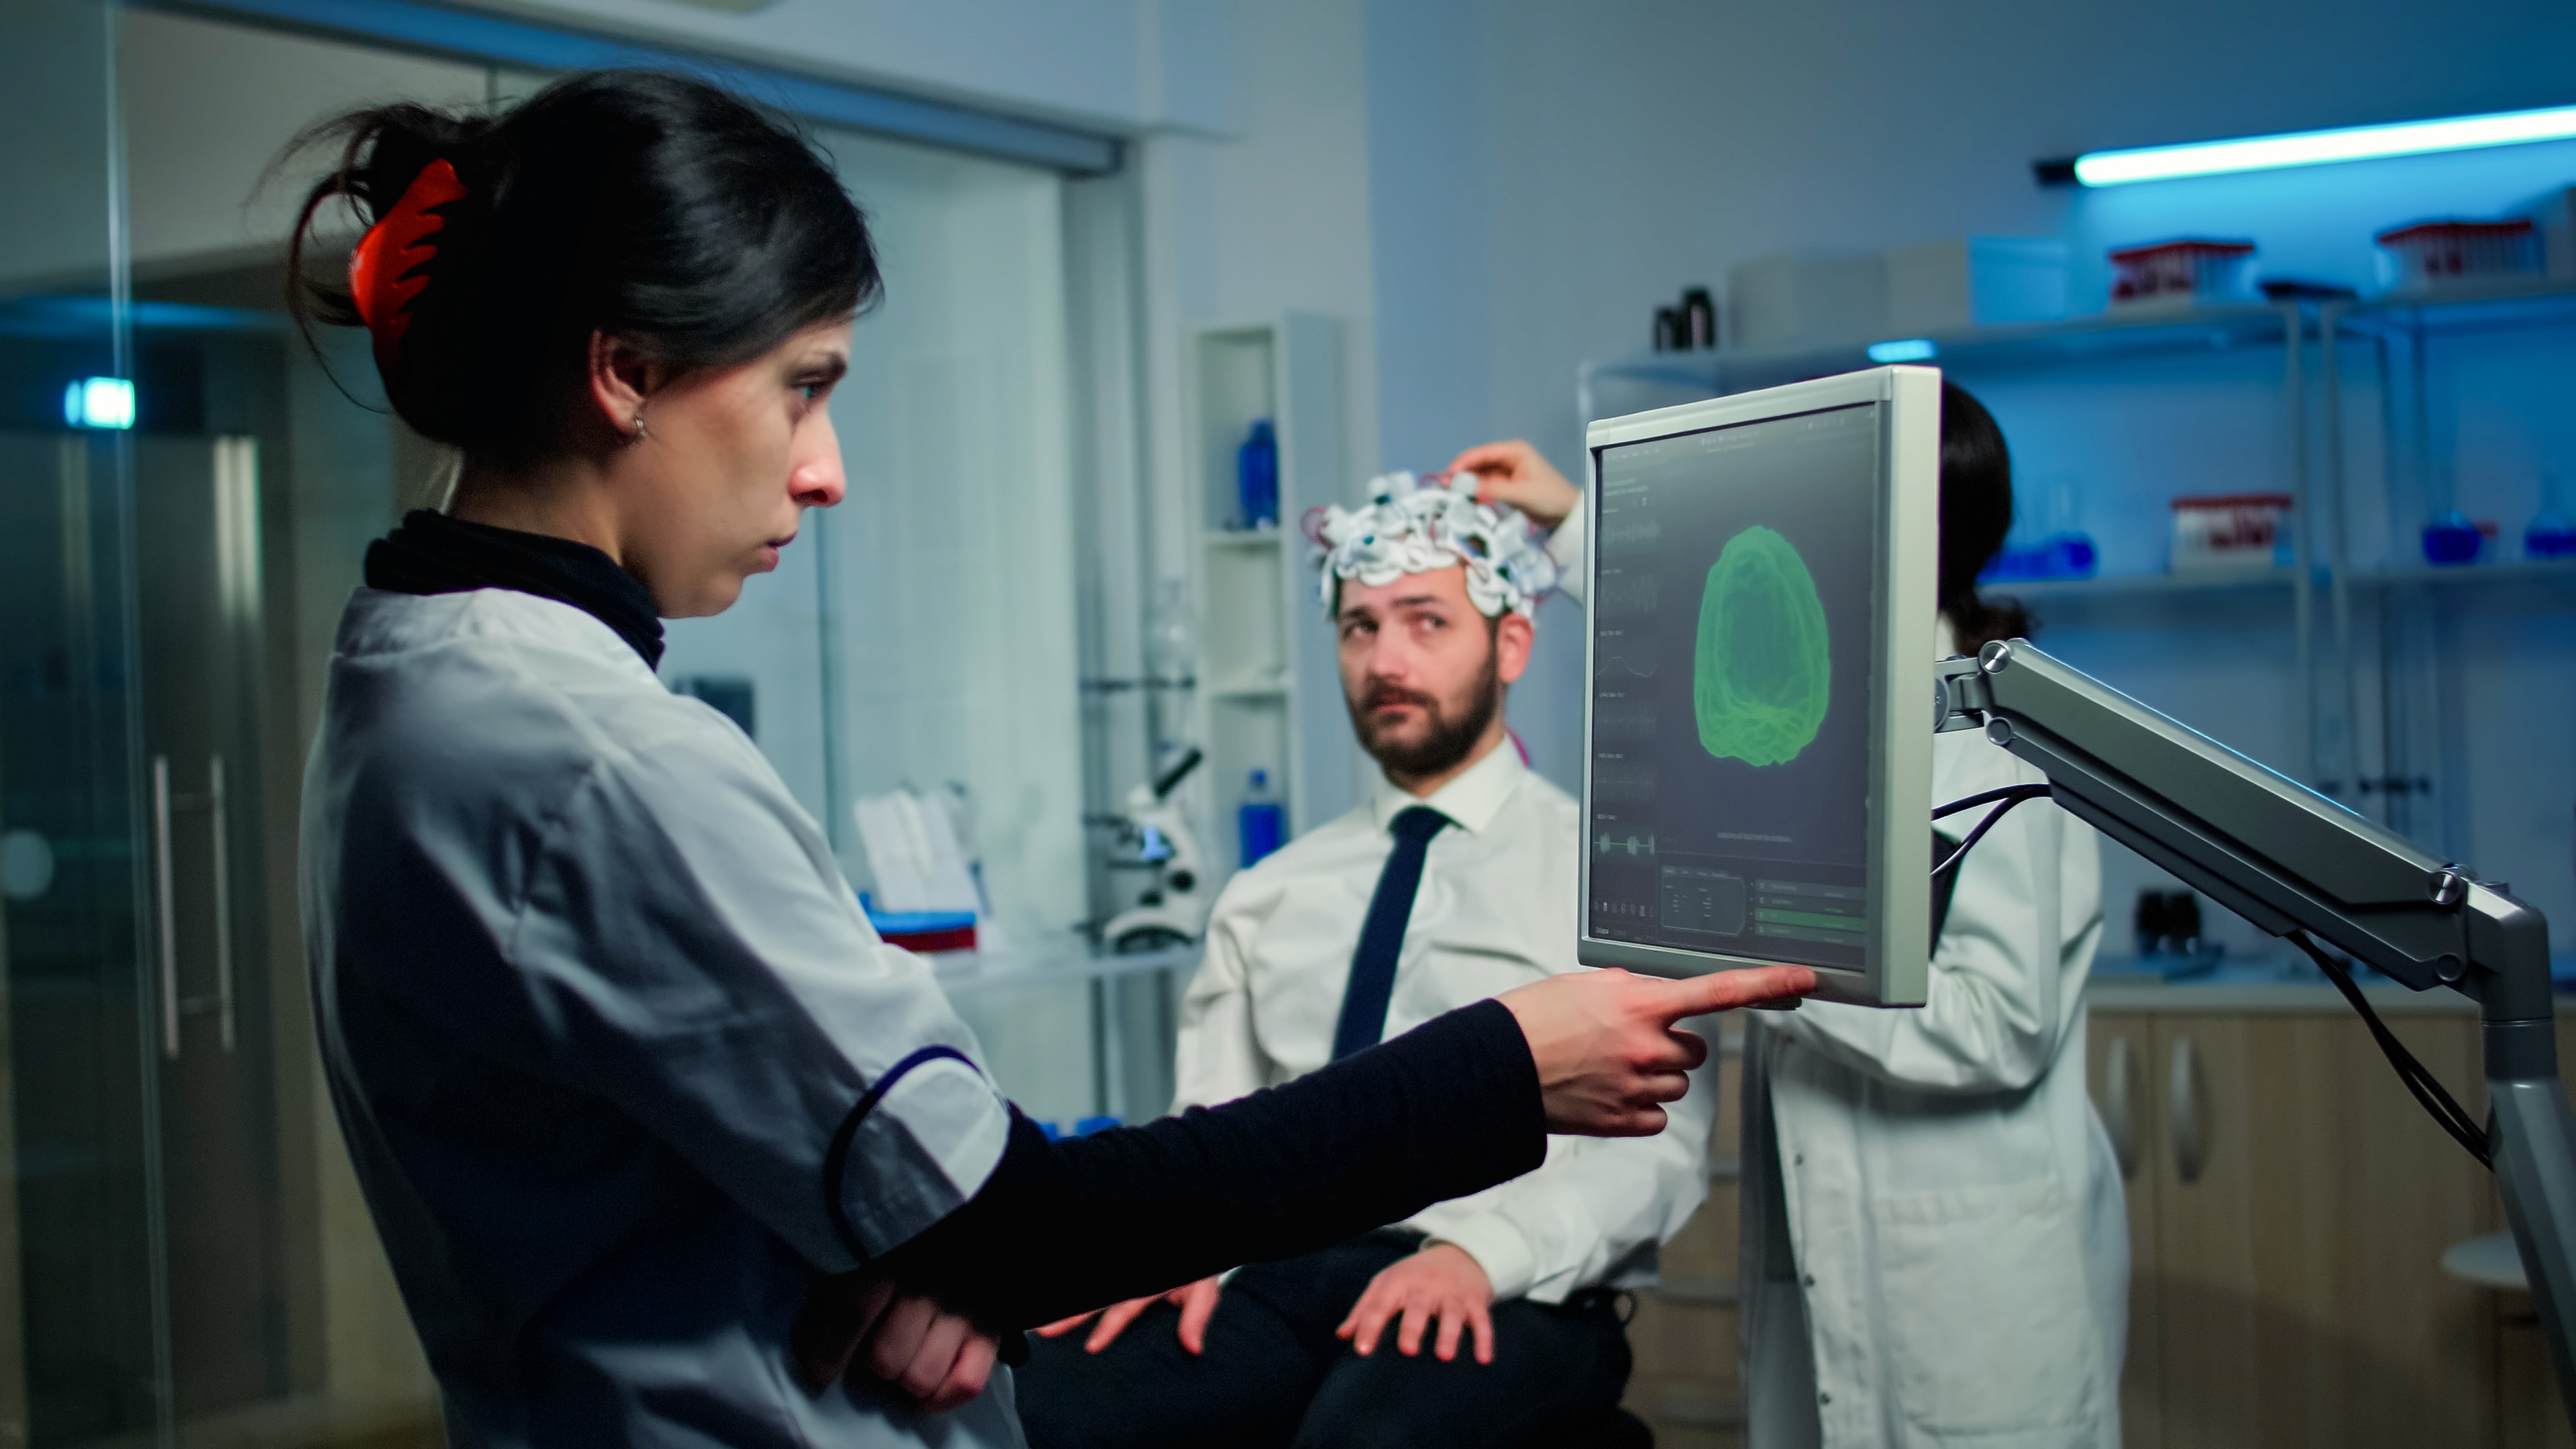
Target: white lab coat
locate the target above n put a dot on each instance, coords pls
(1958, 1264)
(600, 1016)
(1957, 1270)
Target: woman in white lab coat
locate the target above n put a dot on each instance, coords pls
(1935, 1245)
(659, 1137)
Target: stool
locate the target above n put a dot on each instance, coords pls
(2491, 1261)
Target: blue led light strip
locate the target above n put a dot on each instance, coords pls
(2319, 148)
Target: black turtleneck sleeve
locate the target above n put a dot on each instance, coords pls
(1449, 1108)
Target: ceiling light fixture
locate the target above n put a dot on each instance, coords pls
(2309, 148)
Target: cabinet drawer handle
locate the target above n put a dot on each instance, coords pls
(2190, 1134)
(223, 893)
(166, 910)
(2120, 1105)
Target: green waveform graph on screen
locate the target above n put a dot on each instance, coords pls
(1762, 669)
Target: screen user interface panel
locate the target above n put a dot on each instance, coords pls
(1731, 709)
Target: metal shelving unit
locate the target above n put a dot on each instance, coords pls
(2129, 333)
(2400, 332)
(2410, 603)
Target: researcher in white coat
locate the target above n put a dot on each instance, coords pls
(664, 1145)
(1934, 1241)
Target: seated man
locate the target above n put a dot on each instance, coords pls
(1454, 881)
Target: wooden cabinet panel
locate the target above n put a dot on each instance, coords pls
(2300, 1206)
(1686, 1382)
(2117, 1047)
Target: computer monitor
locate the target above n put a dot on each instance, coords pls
(1757, 730)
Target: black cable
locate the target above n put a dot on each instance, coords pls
(2010, 795)
(2428, 1089)
(1988, 797)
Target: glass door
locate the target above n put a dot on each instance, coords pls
(83, 1303)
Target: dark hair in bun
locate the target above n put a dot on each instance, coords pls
(650, 207)
(1976, 515)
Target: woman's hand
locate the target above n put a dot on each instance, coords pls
(939, 1358)
(1607, 1051)
(1442, 1284)
(1197, 1302)
(1513, 473)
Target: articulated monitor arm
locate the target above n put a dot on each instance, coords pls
(2288, 859)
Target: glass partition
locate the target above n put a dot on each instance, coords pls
(83, 1263)
(186, 495)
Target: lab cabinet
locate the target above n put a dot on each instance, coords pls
(2288, 1207)
(2289, 1203)
(1682, 1332)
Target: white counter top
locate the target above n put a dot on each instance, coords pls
(2279, 984)
(1063, 959)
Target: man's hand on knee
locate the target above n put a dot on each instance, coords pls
(1442, 1284)
(1197, 1302)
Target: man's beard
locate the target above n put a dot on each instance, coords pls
(1445, 742)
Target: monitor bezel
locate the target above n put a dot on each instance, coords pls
(1905, 545)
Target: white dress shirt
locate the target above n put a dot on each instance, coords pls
(1496, 909)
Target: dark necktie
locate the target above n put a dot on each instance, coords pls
(1372, 982)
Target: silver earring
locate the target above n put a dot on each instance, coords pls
(640, 434)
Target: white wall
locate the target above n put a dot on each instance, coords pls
(1273, 217)
(209, 106)
(1118, 65)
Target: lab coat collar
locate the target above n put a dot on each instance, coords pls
(1945, 638)
(379, 621)
(1470, 801)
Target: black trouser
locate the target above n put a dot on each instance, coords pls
(1274, 1374)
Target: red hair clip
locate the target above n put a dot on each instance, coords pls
(385, 270)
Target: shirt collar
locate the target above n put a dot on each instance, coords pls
(1470, 801)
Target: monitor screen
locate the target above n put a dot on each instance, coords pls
(1733, 598)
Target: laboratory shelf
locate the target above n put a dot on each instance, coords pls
(2126, 333)
(2132, 586)
(2369, 625)
(2461, 308)
(1273, 701)
(2117, 334)
(2510, 571)
(1270, 687)
(1058, 960)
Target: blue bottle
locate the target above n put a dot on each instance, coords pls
(1261, 821)
(2451, 539)
(2550, 536)
(1256, 476)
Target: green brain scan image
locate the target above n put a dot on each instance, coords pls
(1762, 671)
